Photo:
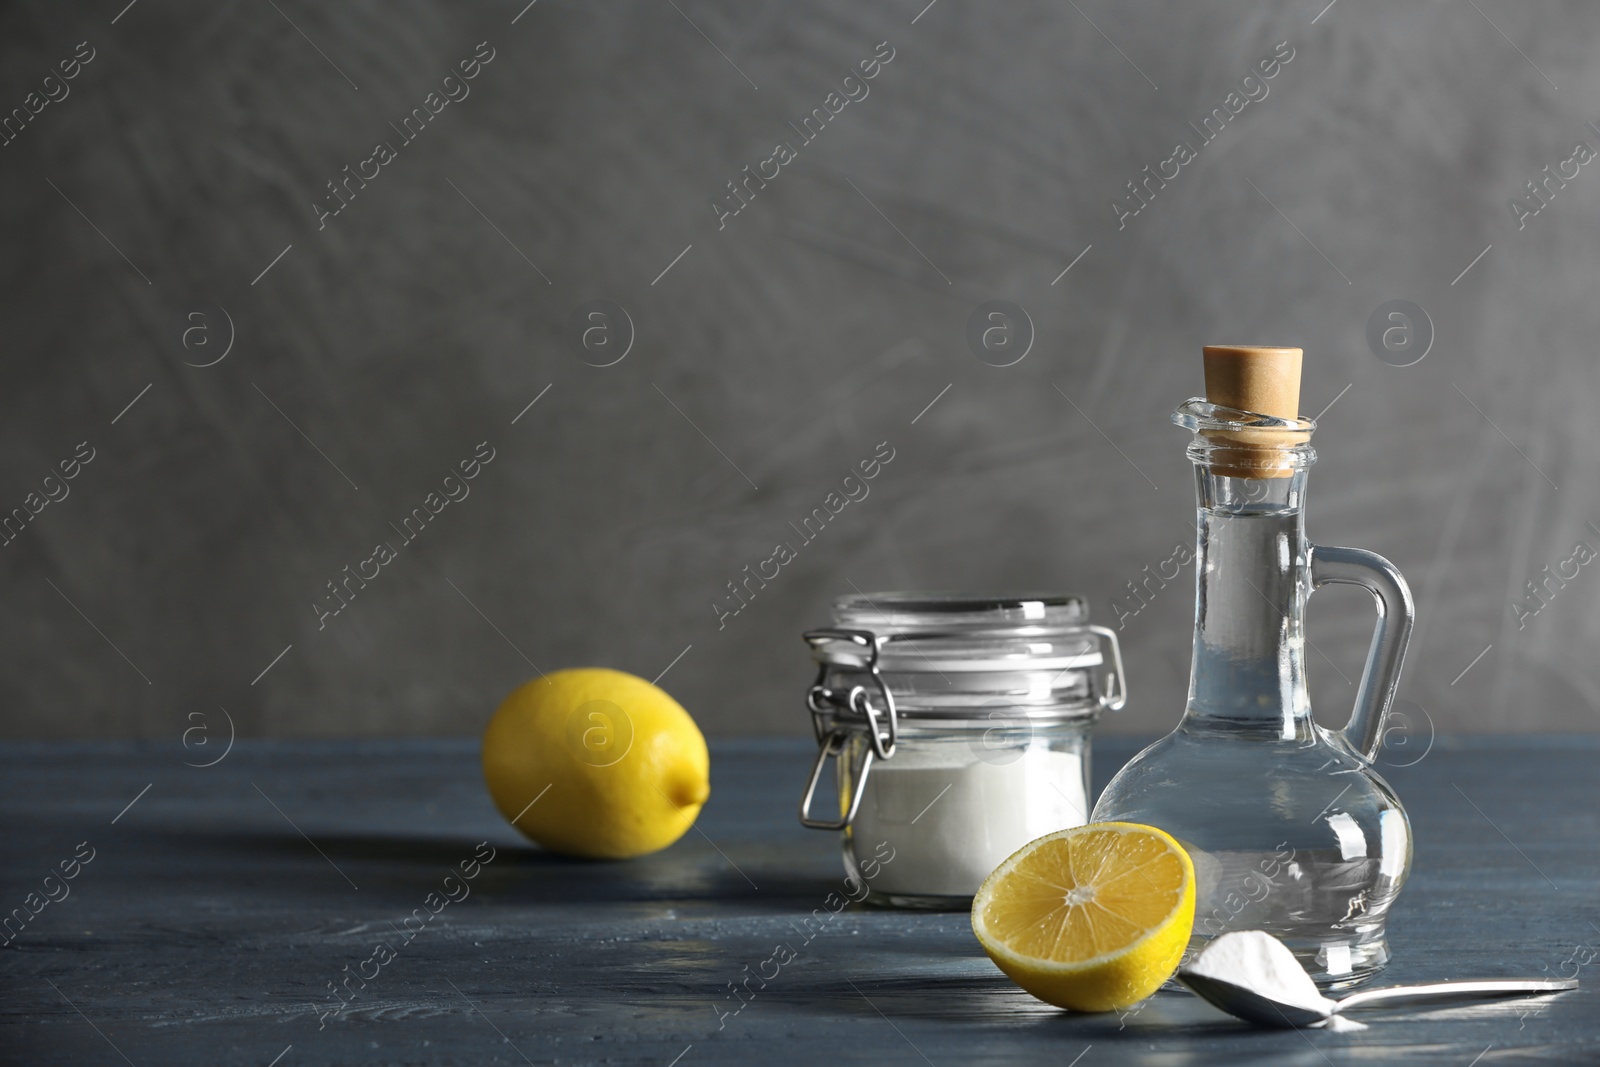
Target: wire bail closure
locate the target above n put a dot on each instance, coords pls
(1114, 692)
(826, 704)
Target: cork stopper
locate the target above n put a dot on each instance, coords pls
(1254, 378)
(1263, 380)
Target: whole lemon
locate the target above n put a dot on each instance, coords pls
(597, 763)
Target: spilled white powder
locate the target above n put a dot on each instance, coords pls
(1339, 1024)
(1258, 961)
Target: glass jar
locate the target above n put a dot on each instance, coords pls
(960, 730)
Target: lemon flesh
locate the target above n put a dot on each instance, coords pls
(1093, 918)
(596, 763)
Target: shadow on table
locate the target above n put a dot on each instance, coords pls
(993, 998)
(525, 873)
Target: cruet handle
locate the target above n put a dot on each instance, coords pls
(1396, 614)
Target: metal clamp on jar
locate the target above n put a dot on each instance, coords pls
(959, 727)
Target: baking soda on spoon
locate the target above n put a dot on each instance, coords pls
(1255, 960)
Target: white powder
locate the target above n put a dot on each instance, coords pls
(952, 817)
(1258, 961)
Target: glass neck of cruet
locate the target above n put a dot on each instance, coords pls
(1248, 674)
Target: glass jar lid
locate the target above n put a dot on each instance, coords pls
(955, 656)
(941, 632)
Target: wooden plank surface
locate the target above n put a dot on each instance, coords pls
(216, 910)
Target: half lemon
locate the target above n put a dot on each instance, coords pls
(1092, 918)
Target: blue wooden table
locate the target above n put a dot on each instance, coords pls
(209, 921)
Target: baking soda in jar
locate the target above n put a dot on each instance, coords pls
(959, 727)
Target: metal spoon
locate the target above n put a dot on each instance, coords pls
(1253, 975)
(1255, 1006)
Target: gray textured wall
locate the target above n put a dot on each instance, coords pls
(383, 347)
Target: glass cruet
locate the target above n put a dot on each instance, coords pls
(1290, 829)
